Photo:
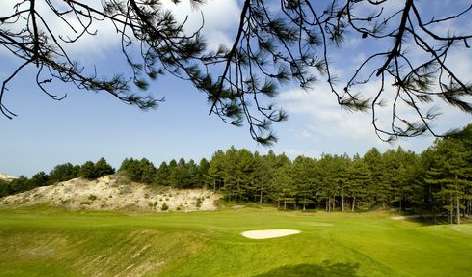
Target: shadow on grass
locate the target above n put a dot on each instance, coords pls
(428, 220)
(324, 269)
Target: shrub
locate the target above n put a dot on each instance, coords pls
(87, 170)
(142, 170)
(40, 179)
(199, 202)
(164, 207)
(124, 190)
(5, 188)
(121, 181)
(90, 170)
(102, 168)
(18, 185)
(63, 172)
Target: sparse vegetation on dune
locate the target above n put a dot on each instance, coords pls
(53, 242)
(114, 192)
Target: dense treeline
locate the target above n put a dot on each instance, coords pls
(439, 180)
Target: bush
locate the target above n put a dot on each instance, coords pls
(92, 197)
(40, 179)
(5, 188)
(90, 170)
(18, 185)
(63, 172)
(87, 170)
(124, 190)
(102, 168)
(164, 207)
(122, 181)
(142, 171)
(199, 202)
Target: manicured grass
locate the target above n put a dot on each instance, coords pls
(52, 242)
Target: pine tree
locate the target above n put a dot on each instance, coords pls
(450, 173)
(303, 177)
(142, 170)
(162, 175)
(63, 172)
(284, 189)
(358, 180)
(379, 189)
(40, 179)
(102, 168)
(204, 173)
(216, 170)
(87, 170)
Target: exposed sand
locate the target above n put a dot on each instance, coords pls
(403, 217)
(6, 177)
(269, 233)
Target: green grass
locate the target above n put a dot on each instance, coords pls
(52, 242)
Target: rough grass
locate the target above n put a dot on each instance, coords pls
(52, 242)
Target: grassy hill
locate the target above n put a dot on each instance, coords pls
(44, 241)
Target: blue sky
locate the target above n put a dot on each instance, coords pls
(87, 126)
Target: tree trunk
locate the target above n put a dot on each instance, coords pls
(401, 205)
(304, 203)
(458, 210)
(239, 191)
(260, 202)
(451, 207)
(353, 203)
(469, 209)
(342, 202)
(285, 203)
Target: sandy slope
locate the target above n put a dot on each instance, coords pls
(113, 192)
(6, 177)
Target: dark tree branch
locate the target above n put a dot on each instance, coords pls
(273, 48)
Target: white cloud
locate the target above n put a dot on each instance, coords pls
(221, 18)
(326, 125)
(324, 116)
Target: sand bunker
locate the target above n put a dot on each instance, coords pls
(269, 233)
(404, 217)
